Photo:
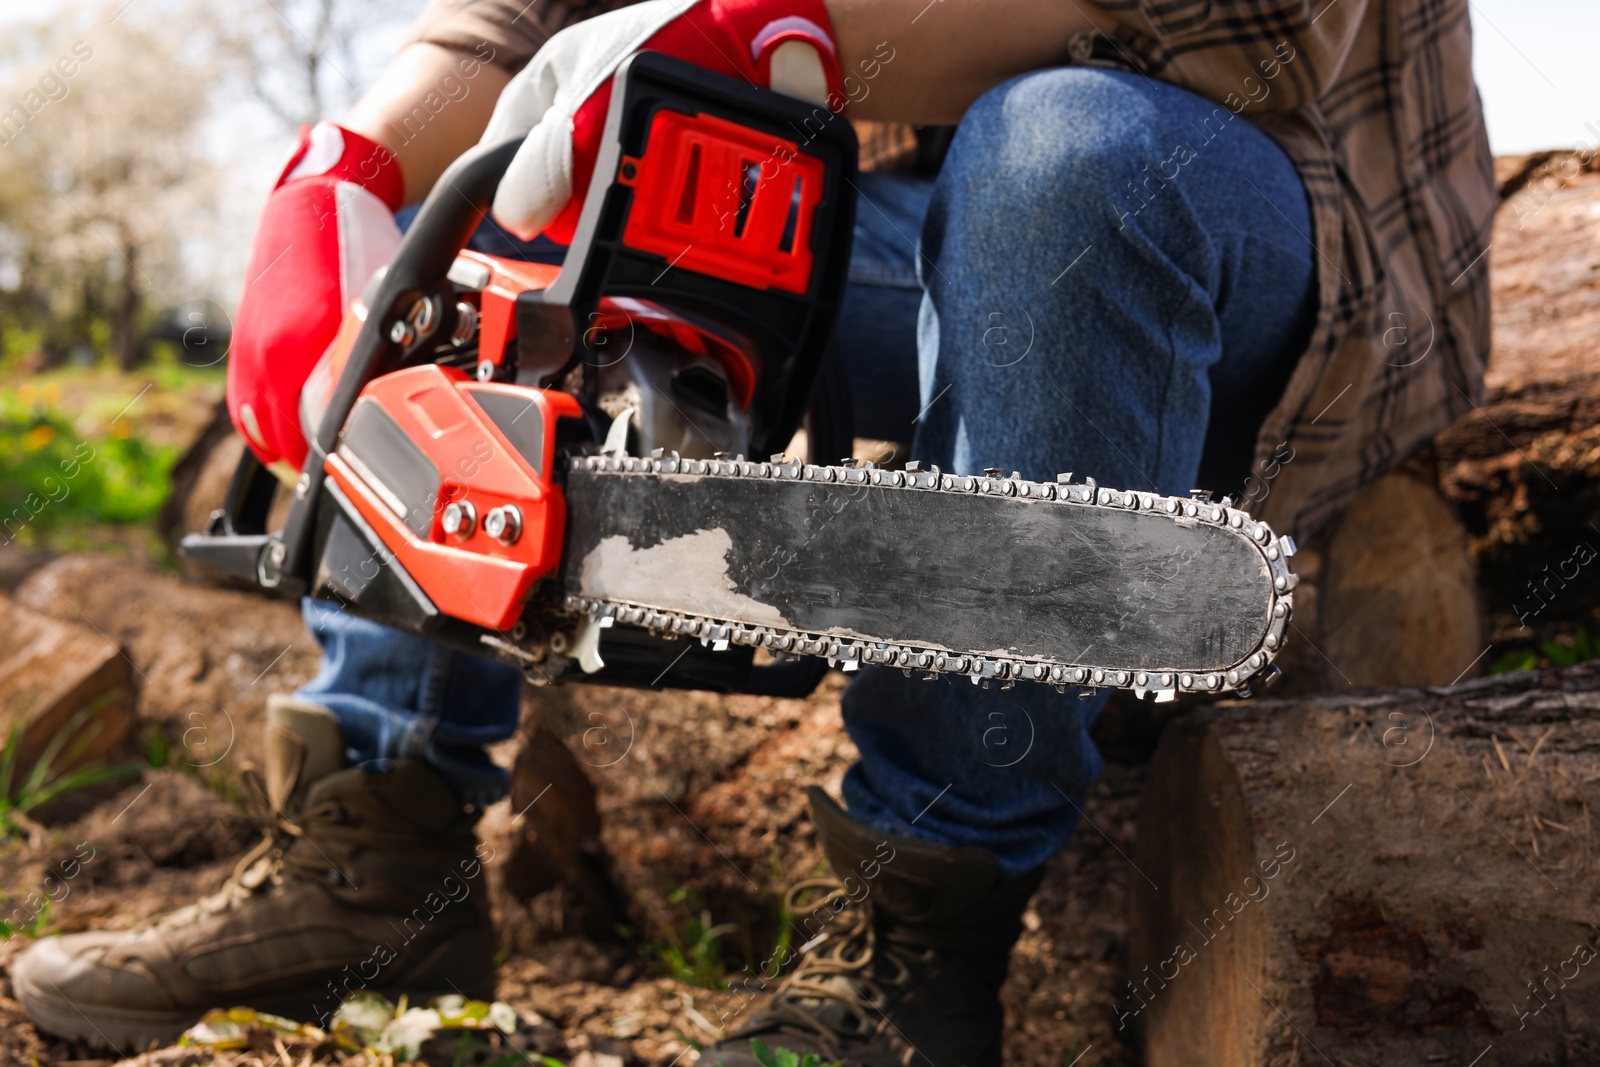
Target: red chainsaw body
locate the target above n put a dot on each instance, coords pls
(485, 445)
(475, 461)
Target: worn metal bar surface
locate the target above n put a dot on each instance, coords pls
(987, 568)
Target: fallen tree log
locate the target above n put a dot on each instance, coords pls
(205, 659)
(1386, 878)
(1388, 595)
(64, 689)
(1524, 468)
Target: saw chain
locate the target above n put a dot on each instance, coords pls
(1251, 670)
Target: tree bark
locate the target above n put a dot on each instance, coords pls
(1524, 468)
(1392, 878)
(127, 339)
(60, 678)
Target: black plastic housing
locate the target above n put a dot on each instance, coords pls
(788, 331)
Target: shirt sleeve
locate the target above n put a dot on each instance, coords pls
(1254, 56)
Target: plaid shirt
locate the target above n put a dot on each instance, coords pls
(1374, 101)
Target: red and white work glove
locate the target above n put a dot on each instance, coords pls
(560, 98)
(327, 228)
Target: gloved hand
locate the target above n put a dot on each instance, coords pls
(327, 228)
(563, 93)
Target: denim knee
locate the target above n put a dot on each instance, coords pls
(1017, 169)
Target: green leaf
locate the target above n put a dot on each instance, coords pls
(1558, 654)
(80, 779)
(232, 1028)
(778, 1057)
(1522, 659)
(8, 760)
(159, 749)
(43, 783)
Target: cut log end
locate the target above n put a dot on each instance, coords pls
(1388, 879)
(66, 694)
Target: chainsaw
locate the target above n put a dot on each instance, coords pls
(582, 470)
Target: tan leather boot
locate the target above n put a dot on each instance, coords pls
(363, 881)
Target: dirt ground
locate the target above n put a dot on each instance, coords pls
(696, 793)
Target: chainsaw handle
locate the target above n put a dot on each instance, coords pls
(441, 229)
(443, 225)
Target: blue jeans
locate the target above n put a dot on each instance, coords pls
(1110, 276)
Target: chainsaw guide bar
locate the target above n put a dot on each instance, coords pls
(999, 579)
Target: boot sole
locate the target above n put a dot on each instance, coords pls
(118, 1030)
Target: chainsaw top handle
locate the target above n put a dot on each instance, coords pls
(442, 226)
(728, 203)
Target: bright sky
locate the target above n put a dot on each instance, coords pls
(1537, 73)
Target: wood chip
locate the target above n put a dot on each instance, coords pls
(1537, 746)
(1500, 752)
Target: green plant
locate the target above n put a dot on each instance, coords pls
(388, 1033)
(782, 1057)
(34, 928)
(44, 783)
(693, 956)
(56, 479)
(158, 750)
(1519, 659)
(1582, 648)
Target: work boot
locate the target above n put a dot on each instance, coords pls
(904, 958)
(363, 881)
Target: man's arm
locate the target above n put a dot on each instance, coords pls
(944, 56)
(947, 53)
(388, 112)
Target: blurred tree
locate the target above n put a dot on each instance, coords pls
(101, 171)
(133, 139)
(300, 59)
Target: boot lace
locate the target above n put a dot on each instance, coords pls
(851, 976)
(270, 859)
